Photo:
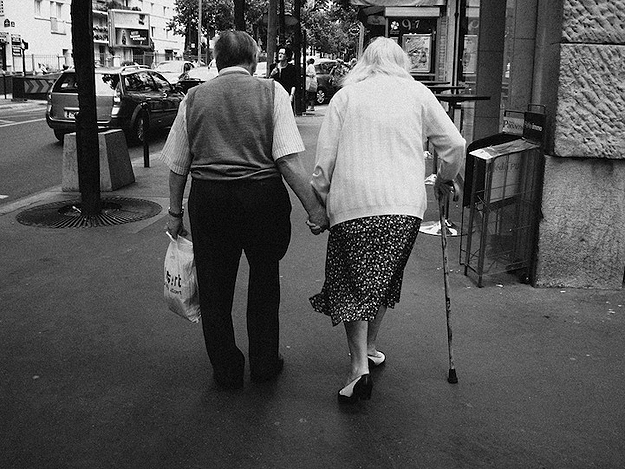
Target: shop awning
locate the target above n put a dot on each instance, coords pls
(398, 3)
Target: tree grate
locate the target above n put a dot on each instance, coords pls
(115, 211)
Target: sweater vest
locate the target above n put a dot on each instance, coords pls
(230, 128)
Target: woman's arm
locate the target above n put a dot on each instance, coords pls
(327, 149)
(445, 138)
(294, 173)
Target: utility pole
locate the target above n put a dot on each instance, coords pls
(272, 29)
(87, 149)
(282, 23)
(300, 90)
(199, 33)
(239, 15)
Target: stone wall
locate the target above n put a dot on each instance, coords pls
(582, 234)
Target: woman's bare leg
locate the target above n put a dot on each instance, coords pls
(372, 332)
(357, 342)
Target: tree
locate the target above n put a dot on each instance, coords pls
(217, 15)
(327, 26)
(327, 23)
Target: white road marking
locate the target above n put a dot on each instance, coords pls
(23, 122)
(4, 196)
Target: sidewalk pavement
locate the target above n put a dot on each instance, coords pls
(96, 373)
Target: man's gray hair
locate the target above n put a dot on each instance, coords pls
(235, 48)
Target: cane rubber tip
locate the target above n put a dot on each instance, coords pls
(452, 378)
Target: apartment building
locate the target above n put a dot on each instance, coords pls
(36, 34)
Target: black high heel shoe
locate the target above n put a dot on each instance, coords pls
(359, 389)
(376, 360)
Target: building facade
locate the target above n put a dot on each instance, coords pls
(35, 35)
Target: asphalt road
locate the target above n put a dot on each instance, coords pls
(31, 157)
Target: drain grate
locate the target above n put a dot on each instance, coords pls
(115, 211)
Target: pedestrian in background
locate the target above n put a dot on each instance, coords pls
(369, 172)
(238, 202)
(284, 72)
(311, 85)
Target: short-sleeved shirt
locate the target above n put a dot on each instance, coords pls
(287, 140)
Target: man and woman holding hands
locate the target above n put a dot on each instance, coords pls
(237, 137)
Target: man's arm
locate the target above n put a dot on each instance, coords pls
(294, 173)
(177, 184)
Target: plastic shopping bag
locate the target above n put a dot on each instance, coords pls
(180, 279)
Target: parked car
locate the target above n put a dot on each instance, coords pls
(173, 70)
(196, 76)
(119, 95)
(325, 88)
(199, 75)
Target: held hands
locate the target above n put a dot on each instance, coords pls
(318, 222)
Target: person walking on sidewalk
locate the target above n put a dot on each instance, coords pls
(370, 171)
(238, 202)
(311, 85)
(284, 72)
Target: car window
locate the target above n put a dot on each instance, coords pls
(66, 83)
(160, 82)
(106, 83)
(140, 82)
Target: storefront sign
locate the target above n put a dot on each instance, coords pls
(534, 126)
(16, 45)
(129, 29)
(512, 125)
(419, 49)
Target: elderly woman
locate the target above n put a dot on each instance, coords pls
(369, 172)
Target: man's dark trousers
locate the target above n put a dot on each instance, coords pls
(228, 218)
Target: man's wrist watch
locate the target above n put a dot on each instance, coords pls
(176, 215)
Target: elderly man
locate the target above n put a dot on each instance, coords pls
(237, 137)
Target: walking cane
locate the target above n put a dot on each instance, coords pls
(442, 204)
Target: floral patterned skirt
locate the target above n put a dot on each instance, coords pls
(365, 266)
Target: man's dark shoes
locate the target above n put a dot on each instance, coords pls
(269, 374)
(230, 377)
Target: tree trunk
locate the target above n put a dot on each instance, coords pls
(87, 150)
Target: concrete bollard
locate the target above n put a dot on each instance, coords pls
(115, 166)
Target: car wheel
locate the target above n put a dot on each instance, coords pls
(137, 133)
(60, 135)
(321, 96)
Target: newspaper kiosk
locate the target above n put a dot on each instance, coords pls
(501, 207)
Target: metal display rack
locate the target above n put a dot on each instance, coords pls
(502, 206)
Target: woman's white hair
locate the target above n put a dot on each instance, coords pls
(382, 56)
